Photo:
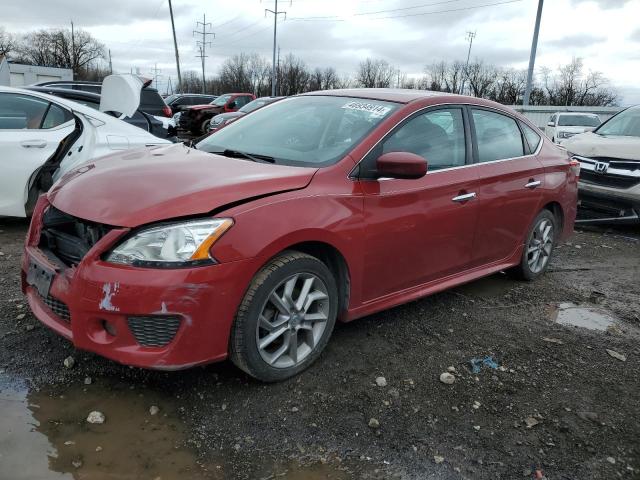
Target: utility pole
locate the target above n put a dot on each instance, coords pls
(278, 70)
(202, 44)
(470, 37)
(532, 57)
(275, 12)
(110, 64)
(73, 50)
(175, 46)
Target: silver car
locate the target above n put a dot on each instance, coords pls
(609, 169)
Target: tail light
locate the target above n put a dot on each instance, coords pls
(575, 167)
(166, 111)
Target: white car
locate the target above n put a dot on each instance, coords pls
(563, 125)
(42, 137)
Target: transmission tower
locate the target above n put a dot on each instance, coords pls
(202, 43)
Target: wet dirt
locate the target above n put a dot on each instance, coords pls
(585, 402)
(44, 434)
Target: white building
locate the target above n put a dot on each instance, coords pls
(18, 75)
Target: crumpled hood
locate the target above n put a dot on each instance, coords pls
(575, 129)
(593, 145)
(143, 186)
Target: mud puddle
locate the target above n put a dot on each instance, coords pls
(572, 315)
(44, 435)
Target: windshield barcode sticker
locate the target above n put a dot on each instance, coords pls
(372, 108)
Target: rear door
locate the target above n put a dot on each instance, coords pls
(420, 230)
(31, 129)
(511, 185)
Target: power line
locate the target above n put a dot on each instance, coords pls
(407, 8)
(336, 18)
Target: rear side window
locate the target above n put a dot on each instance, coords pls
(19, 112)
(533, 139)
(56, 116)
(497, 135)
(151, 98)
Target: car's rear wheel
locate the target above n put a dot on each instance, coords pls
(538, 247)
(286, 317)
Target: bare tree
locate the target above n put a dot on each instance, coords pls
(7, 43)
(435, 75)
(375, 73)
(293, 76)
(481, 78)
(60, 48)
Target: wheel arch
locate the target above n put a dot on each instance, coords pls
(556, 209)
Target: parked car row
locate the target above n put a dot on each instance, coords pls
(311, 209)
(223, 119)
(197, 118)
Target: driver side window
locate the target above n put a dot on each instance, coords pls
(437, 135)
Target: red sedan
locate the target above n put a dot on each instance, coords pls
(320, 207)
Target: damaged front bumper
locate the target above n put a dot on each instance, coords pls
(152, 318)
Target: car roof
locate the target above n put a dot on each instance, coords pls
(398, 95)
(584, 114)
(65, 91)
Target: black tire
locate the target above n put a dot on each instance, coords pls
(244, 350)
(204, 127)
(524, 271)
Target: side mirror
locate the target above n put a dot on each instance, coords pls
(231, 105)
(405, 165)
(551, 124)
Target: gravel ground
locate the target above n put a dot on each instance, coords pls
(559, 402)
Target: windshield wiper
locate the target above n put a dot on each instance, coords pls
(254, 157)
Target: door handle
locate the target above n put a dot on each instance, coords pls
(533, 184)
(34, 143)
(465, 197)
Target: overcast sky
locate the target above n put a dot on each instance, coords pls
(407, 33)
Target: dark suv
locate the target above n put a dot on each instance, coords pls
(181, 101)
(150, 100)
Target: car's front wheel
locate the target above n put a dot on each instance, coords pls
(538, 247)
(286, 317)
(204, 127)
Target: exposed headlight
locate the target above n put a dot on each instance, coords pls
(217, 121)
(173, 245)
(565, 134)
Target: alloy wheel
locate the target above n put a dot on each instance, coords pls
(540, 245)
(292, 320)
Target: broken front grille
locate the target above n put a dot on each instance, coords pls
(56, 306)
(69, 238)
(154, 331)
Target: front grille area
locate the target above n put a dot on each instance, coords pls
(608, 179)
(56, 306)
(69, 238)
(154, 331)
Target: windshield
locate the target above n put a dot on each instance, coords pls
(221, 100)
(171, 98)
(251, 106)
(578, 121)
(309, 131)
(625, 123)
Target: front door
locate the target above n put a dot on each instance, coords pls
(420, 230)
(31, 129)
